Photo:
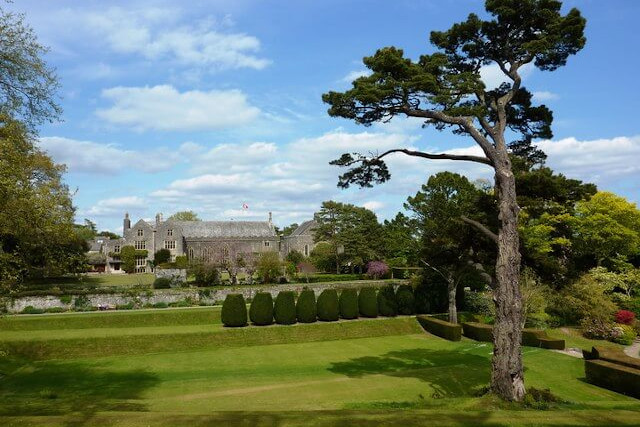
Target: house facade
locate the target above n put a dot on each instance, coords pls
(198, 240)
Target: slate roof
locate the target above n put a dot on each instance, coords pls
(221, 229)
(304, 228)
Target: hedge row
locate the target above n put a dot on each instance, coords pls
(441, 328)
(328, 308)
(478, 331)
(613, 376)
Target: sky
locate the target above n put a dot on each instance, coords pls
(209, 105)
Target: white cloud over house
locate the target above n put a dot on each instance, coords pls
(164, 108)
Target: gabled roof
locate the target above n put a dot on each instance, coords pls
(221, 229)
(306, 228)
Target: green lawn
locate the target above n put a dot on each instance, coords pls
(366, 372)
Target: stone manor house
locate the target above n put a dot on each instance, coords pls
(203, 240)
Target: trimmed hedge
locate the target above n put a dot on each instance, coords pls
(539, 338)
(446, 330)
(615, 356)
(328, 310)
(613, 376)
(349, 304)
(261, 311)
(234, 311)
(478, 331)
(306, 307)
(405, 299)
(367, 302)
(162, 283)
(387, 304)
(284, 310)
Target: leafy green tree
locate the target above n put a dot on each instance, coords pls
(109, 234)
(353, 233)
(401, 241)
(37, 235)
(161, 256)
(289, 229)
(323, 257)
(28, 86)
(185, 216)
(450, 247)
(269, 267)
(445, 89)
(295, 257)
(128, 259)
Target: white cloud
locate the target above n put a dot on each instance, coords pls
(601, 160)
(492, 75)
(114, 206)
(544, 95)
(157, 33)
(165, 108)
(352, 75)
(96, 158)
(373, 205)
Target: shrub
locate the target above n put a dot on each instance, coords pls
(367, 302)
(625, 317)
(284, 310)
(540, 399)
(405, 299)
(66, 299)
(162, 283)
(387, 304)
(478, 331)
(128, 258)
(234, 311)
(377, 269)
(349, 304)
(81, 302)
(585, 298)
(623, 334)
(182, 261)
(55, 310)
(205, 274)
(446, 330)
(613, 376)
(306, 311)
(294, 257)
(328, 310)
(261, 311)
(161, 256)
(269, 267)
(596, 327)
(160, 305)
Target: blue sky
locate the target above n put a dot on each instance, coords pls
(206, 105)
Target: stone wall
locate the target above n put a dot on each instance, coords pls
(205, 296)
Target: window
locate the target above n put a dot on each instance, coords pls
(141, 261)
(170, 232)
(140, 244)
(266, 243)
(116, 249)
(169, 244)
(140, 232)
(190, 253)
(306, 250)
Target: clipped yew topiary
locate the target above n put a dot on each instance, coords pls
(234, 311)
(367, 302)
(306, 307)
(405, 299)
(261, 311)
(349, 304)
(328, 310)
(284, 310)
(387, 304)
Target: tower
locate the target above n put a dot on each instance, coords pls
(126, 224)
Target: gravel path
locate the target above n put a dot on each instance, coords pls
(633, 350)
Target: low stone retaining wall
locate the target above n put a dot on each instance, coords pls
(154, 296)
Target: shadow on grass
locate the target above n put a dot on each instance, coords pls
(449, 373)
(55, 388)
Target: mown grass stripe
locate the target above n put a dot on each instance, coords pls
(237, 337)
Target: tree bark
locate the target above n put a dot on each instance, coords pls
(451, 290)
(507, 378)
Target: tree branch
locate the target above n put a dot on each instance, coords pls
(444, 156)
(490, 234)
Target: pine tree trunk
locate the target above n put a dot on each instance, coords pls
(453, 312)
(507, 379)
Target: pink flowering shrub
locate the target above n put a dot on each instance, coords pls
(377, 269)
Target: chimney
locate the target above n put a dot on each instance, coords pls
(126, 224)
(270, 219)
(158, 219)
